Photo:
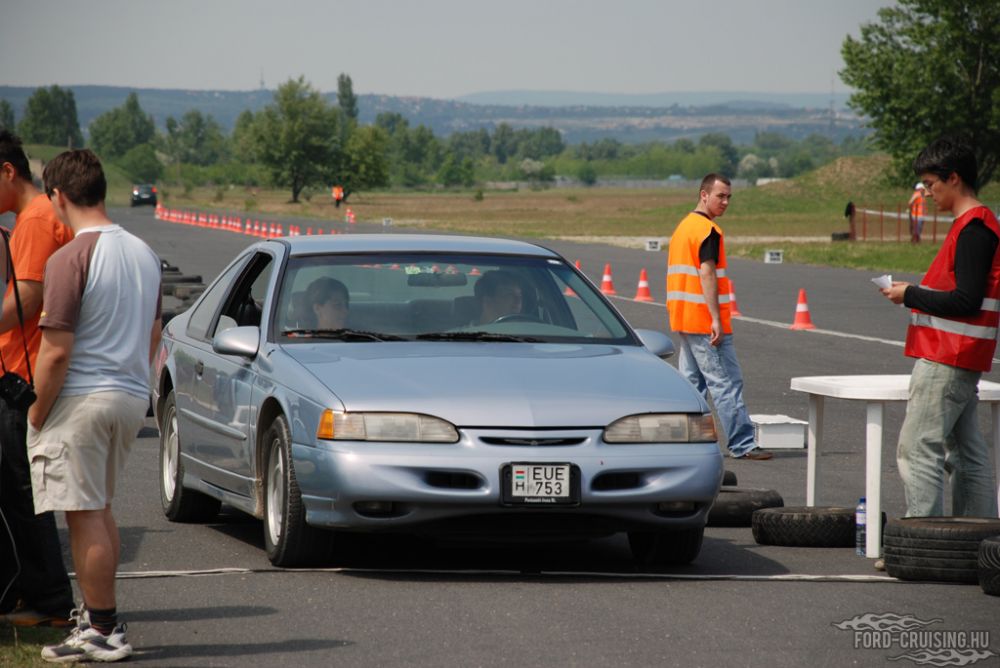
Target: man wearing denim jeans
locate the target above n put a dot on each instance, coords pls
(952, 333)
(699, 307)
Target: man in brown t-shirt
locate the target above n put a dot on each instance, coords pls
(34, 562)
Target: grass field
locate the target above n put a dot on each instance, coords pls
(21, 648)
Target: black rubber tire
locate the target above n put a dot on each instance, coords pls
(180, 278)
(804, 526)
(729, 479)
(734, 507)
(936, 548)
(988, 566)
(289, 542)
(179, 503)
(666, 548)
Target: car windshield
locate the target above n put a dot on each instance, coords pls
(441, 297)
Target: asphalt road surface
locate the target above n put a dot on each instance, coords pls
(206, 595)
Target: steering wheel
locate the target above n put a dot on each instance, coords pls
(516, 317)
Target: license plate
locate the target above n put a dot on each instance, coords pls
(526, 483)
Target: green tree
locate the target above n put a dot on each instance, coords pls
(722, 141)
(141, 163)
(364, 162)
(241, 141)
(587, 174)
(6, 116)
(926, 68)
(298, 137)
(50, 118)
(196, 139)
(346, 99)
(115, 132)
(503, 144)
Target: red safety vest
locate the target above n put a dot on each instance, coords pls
(685, 301)
(967, 343)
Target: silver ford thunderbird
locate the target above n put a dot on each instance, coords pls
(452, 386)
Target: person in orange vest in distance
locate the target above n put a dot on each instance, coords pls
(338, 195)
(917, 213)
(953, 335)
(698, 303)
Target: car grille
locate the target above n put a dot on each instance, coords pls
(531, 442)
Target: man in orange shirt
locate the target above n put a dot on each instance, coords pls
(34, 563)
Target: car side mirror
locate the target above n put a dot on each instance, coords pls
(241, 341)
(657, 343)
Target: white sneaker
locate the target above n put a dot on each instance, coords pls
(86, 643)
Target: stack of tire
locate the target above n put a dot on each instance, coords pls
(945, 549)
(184, 288)
(735, 506)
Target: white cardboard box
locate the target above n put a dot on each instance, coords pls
(774, 432)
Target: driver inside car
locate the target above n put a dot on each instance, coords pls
(329, 302)
(499, 294)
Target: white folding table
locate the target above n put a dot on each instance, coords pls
(876, 391)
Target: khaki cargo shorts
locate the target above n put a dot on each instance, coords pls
(80, 450)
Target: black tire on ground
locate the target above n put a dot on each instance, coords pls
(936, 548)
(289, 541)
(806, 526)
(989, 565)
(734, 507)
(729, 479)
(180, 278)
(666, 548)
(179, 503)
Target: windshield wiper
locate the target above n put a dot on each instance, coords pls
(475, 336)
(342, 334)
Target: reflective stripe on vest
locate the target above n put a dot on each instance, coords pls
(694, 298)
(693, 271)
(953, 326)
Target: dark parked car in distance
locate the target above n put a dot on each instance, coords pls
(144, 193)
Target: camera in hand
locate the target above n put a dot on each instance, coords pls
(16, 391)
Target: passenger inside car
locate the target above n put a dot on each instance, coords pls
(499, 294)
(329, 301)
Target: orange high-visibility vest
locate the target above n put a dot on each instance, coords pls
(685, 301)
(967, 343)
(917, 208)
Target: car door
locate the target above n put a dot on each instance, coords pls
(225, 383)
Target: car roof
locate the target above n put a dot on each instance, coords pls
(418, 243)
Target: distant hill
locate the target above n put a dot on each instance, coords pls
(742, 99)
(627, 118)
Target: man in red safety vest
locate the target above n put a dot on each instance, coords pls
(338, 195)
(917, 213)
(952, 333)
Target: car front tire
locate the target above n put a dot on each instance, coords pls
(666, 548)
(289, 541)
(179, 504)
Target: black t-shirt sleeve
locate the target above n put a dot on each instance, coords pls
(974, 253)
(709, 251)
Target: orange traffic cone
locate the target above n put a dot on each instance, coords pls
(734, 310)
(642, 292)
(607, 283)
(802, 319)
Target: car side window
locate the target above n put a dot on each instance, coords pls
(245, 304)
(203, 315)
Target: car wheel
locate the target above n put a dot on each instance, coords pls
(666, 548)
(989, 565)
(943, 549)
(179, 504)
(729, 479)
(734, 506)
(288, 539)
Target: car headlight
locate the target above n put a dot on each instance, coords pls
(405, 427)
(662, 428)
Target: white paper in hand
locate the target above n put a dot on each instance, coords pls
(884, 281)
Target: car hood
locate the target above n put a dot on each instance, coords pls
(500, 384)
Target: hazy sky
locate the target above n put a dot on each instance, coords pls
(435, 48)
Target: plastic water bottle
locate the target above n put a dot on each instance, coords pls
(860, 526)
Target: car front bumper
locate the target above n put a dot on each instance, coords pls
(443, 488)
